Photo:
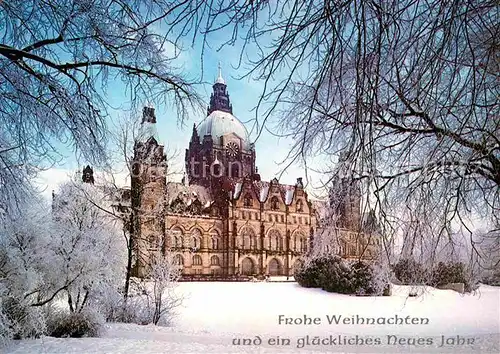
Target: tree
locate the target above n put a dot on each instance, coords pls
(57, 62)
(406, 90)
(87, 245)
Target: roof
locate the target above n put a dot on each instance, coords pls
(219, 123)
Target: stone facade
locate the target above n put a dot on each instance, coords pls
(222, 221)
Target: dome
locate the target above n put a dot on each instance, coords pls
(219, 123)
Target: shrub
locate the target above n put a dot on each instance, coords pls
(20, 320)
(86, 323)
(409, 272)
(334, 274)
(309, 273)
(491, 277)
(454, 272)
(337, 277)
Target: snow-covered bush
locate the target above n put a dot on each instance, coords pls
(152, 301)
(334, 274)
(87, 323)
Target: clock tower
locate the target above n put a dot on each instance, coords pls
(220, 151)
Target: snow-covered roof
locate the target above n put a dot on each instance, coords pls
(289, 195)
(237, 190)
(264, 192)
(220, 123)
(188, 193)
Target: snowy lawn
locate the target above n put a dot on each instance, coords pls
(216, 315)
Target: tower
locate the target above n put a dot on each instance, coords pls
(220, 151)
(148, 189)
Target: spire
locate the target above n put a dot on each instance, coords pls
(194, 136)
(219, 100)
(220, 79)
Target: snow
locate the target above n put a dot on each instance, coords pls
(237, 190)
(264, 192)
(289, 195)
(213, 314)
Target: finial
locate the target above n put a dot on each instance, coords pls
(220, 80)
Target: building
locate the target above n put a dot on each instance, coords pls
(222, 221)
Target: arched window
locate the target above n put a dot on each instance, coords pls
(196, 239)
(214, 240)
(176, 237)
(214, 260)
(275, 204)
(300, 242)
(304, 245)
(275, 241)
(248, 201)
(234, 170)
(179, 260)
(249, 239)
(197, 260)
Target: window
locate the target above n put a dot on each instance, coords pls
(243, 215)
(215, 243)
(176, 238)
(294, 219)
(198, 271)
(178, 241)
(179, 260)
(275, 204)
(247, 201)
(197, 260)
(275, 242)
(196, 239)
(270, 217)
(300, 206)
(249, 238)
(214, 260)
(282, 218)
(300, 219)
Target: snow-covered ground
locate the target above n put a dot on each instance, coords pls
(215, 316)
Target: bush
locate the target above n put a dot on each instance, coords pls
(334, 274)
(87, 323)
(309, 273)
(337, 277)
(19, 320)
(491, 277)
(141, 306)
(456, 272)
(409, 272)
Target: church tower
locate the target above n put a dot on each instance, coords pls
(220, 151)
(148, 188)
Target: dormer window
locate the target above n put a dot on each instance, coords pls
(247, 201)
(275, 204)
(300, 206)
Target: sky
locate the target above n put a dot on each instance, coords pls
(271, 151)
